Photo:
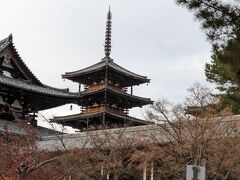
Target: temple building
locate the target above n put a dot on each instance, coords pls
(22, 95)
(104, 100)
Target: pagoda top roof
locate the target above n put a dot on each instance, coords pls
(103, 65)
(30, 87)
(83, 76)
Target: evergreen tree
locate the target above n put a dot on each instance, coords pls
(221, 22)
(224, 70)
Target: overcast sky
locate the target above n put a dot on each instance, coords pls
(155, 38)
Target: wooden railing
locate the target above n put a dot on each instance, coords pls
(95, 87)
(93, 109)
(115, 110)
(110, 109)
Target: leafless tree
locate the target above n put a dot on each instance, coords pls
(196, 132)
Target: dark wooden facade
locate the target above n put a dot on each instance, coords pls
(106, 93)
(21, 93)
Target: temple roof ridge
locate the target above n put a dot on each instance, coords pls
(6, 42)
(23, 84)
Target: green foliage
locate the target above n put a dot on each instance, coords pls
(224, 68)
(221, 22)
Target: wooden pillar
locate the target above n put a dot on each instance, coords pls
(131, 90)
(87, 122)
(106, 75)
(105, 98)
(145, 172)
(79, 88)
(104, 120)
(151, 170)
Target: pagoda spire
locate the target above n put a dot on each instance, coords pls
(108, 45)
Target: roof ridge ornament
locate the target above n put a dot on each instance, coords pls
(10, 37)
(108, 45)
(5, 42)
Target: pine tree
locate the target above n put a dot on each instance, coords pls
(224, 70)
(221, 22)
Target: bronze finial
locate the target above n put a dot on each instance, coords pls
(107, 46)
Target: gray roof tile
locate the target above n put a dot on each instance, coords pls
(21, 129)
(25, 85)
(102, 65)
(74, 117)
(5, 42)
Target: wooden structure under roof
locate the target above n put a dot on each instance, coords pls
(21, 92)
(105, 100)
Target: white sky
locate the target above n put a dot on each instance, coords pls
(156, 38)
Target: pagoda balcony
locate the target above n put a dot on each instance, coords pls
(98, 86)
(96, 109)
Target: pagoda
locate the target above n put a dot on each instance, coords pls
(104, 100)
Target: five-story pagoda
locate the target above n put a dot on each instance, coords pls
(104, 101)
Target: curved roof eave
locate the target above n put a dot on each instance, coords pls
(102, 65)
(23, 85)
(117, 92)
(76, 117)
(8, 42)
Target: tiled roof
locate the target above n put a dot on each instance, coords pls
(73, 117)
(146, 133)
(5, 42)
(28, 86)
(17, 128)
(111, 90)
(102, 65)
(62, 119)
(9, 41)
(130, 118)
